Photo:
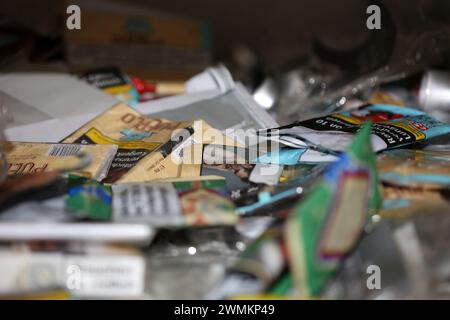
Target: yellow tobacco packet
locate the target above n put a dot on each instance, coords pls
(33, 157)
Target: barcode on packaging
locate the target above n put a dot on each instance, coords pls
(64, 150)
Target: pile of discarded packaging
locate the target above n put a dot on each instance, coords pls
(203, 195)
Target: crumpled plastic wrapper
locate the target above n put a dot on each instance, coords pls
(187, 264)
(412, 254)
(319, 87)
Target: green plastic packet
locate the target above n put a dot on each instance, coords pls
(329, 221)
(89, 199)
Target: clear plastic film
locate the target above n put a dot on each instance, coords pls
(319, 86)
(411, 254)
(186, 264)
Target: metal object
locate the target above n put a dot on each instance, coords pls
(266, 94)
(434, 93)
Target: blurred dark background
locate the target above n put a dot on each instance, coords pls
(271, 34)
